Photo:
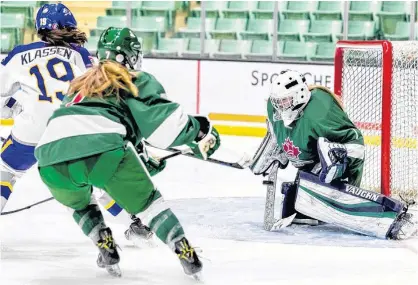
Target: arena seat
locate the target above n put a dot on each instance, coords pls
(27, 8)
(391, 13)
(264, 10)
(298, 51)
(168, 47)
(103, 22)
(165, 9)
(401, 32)
(119, 8)
(299, 10)
(228, 28)
(232, 49)
(324, 52)
(329, 10)
(193, 49)
(258, 29)
(323, 31)
(239, 9)
(360, 30)
(149, 29)
(192, 29)
(13, 24)
(291, 30)
(7, 42)
(213, 9)
(416, 31)
(263, 50)
(363, 10)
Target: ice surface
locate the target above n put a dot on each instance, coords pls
(222, 211)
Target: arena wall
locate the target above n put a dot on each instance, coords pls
(232, 93)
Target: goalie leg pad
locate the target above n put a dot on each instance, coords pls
(347, 206)
(289, 191)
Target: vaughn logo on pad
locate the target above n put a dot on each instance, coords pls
(362, 193)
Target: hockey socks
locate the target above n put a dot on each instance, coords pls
(167, 227)
(90, 220)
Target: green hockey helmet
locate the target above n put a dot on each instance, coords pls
(120, 45)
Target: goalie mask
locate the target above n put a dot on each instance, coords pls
(120, 45)
(289, 94)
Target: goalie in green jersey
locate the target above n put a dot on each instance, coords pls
(92, 141)
(307, 126)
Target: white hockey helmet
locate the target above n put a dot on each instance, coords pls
(289, 94)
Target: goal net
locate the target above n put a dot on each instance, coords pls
(378, 85)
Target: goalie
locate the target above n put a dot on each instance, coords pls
(308, 127)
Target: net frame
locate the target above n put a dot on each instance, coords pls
(385, 63)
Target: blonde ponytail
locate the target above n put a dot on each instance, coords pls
(337, 98)
(104, 80)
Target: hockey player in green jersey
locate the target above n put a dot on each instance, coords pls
(90, 142)
(308, 127)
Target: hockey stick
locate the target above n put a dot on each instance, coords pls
(270, 222)
(178, 152)
(27, 207)
(236, 165)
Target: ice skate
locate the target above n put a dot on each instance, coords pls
(188, 258)
(406, 225)
(140, 234)
(108, 257)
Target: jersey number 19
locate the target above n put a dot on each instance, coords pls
(50, 66)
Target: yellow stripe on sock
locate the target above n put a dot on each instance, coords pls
(6, 145)
(110, 204)
(7, 184)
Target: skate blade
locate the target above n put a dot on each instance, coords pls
(114, 270)
(198, 276)
(144, 243)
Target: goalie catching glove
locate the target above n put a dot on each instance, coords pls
(207, 141)
(333, 157)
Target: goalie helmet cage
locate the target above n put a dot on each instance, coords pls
(378, 85)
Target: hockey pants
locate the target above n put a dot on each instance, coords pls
(123, 175)
(119, 172)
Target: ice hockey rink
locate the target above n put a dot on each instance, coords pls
(221, 210)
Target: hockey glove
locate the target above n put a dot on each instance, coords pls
(333, 157)
(155, 166)
(10, 108)
(207, 141)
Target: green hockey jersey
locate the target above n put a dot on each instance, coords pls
(87, 126)
(322, 117)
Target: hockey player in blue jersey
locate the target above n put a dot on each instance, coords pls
(34, 78)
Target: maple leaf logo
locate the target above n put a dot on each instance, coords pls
(291, 150)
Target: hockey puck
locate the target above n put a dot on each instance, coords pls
(268, 182)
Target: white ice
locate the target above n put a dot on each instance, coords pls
(222, 211)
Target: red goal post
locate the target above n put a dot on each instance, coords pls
(378, 85)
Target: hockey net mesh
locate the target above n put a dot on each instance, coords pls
(361, 91)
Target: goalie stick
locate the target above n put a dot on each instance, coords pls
(240, 164)
(270, 222)
(178, 152)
